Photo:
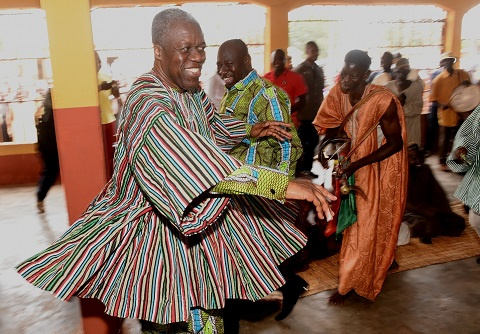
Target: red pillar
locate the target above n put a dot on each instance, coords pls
(77, 123)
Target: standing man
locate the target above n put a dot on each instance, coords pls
(315, 80)
(292, 83)
(47, 146)
(431, 140)
(410, 94)
(465, 158)
(253, 99)
(379, 165)
(384, 75)
(171, 236)
(441, 90)
(107, 87)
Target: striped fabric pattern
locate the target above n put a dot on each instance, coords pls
(154, 243)
(468, 136)
(254, 99)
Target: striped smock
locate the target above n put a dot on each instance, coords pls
(155, 243)
(468, 136)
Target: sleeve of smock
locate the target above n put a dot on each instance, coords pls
(227, 130)
(467, 136)
(255, 180)
(278, 109)
(329, 115)
(415, 96)
(433, 90)
(464, 76)
(175, 168)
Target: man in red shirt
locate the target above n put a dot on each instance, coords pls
(292, 83)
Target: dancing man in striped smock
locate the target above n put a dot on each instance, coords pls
(465, 157)
(173, 234)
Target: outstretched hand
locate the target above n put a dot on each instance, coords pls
(460, 155)
(276, 129)
(304, 189)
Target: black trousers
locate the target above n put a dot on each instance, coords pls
(309, 138)
(431, 140)
(448, 135)
(50, 171)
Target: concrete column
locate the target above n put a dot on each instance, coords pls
(276, 31)
(453, 32)
(75, 102)
(77, 123)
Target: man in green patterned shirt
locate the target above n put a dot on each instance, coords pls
(253, 99)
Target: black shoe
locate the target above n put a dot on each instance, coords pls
(291, 292)
(394, 266)
(478, 259)
(231, 318)
(426, 240)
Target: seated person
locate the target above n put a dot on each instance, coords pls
(428, 213)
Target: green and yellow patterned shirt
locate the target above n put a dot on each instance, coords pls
(252, 100)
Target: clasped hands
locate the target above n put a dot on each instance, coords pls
(276, 129)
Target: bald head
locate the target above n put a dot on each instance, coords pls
(279, 60)
(355, 72)
(278, 54)
(235, 45)
(233, 62)
(311, 49)
(386, 61)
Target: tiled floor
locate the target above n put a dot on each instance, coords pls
(23, 308)
(436, 299)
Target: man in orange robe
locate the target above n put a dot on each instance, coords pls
(379, 164)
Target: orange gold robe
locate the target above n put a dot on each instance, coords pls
(368, 246)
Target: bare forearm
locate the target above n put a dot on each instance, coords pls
(383, 152)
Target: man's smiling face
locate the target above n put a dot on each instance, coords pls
(183, 57)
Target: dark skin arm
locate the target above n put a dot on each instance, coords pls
(460, 153)
(446, 106)
(393, 134)
(299, 104)
(322, 75)
(113, 85)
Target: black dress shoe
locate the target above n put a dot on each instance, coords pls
(478, 259)
(426, 240)
(291, 292)
(231, 318)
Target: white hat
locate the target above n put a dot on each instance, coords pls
(448, 55)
